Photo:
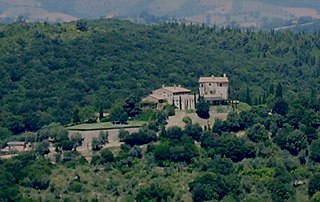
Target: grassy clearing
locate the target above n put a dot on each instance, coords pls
(147, 115)
(106, 126)
(243, 107)
(221, 108)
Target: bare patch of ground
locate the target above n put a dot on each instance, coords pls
(177, 120)
(9, 156)
(114, 143)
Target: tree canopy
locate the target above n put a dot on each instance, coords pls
(65, 72)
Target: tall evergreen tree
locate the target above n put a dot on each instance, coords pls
(131, 106)
(195, 99)
(248, 97)
(76, 117)
(271, 89)
(279, 93)
(203, 109)
(100, 113)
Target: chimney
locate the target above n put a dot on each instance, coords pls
(224, 75)
(162, 86)
(212, 76)
(179, 85)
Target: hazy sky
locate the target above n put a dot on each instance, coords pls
(219, 11)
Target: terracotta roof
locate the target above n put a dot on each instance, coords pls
(177, 89)
(152, 98)
(157, 97)
(213, 79)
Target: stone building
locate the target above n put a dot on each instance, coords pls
(181, 97)
(17, 147)
(214, 89)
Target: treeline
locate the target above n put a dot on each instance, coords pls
(49, 72)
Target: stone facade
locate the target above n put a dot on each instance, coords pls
(214, 88)
(17, 147)
(177, 95)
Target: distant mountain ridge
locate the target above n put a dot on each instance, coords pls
(245, 13)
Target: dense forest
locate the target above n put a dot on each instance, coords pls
(50, 72)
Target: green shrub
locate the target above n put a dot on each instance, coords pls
(147, 115)
(258, 133)
(106, 156)
(123, 134)
(314, 185)
(187, 120)
(155, 192)
(36, 175)
(170, 109)
(105, 120)
(8, 188)
(75, 186)
(315, 151)
(141, 137)
(173, 132)
(212, 187)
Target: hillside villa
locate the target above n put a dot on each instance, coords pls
(172, 95)
(213, 89)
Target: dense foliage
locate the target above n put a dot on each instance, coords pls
(255, 155)
(269, 152)
(64, 73)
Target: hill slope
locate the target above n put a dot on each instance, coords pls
(48, 71)
(245, 13)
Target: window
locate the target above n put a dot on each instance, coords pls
(201, 85)
(209, 84)
(220, 84)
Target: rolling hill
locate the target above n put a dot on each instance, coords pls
(245, 13)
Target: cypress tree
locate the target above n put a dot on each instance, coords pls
(264, 98)
(195, 99)
(76, 118)
(279, 91)
(248, 98)
(271, 89)
(100, 113)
